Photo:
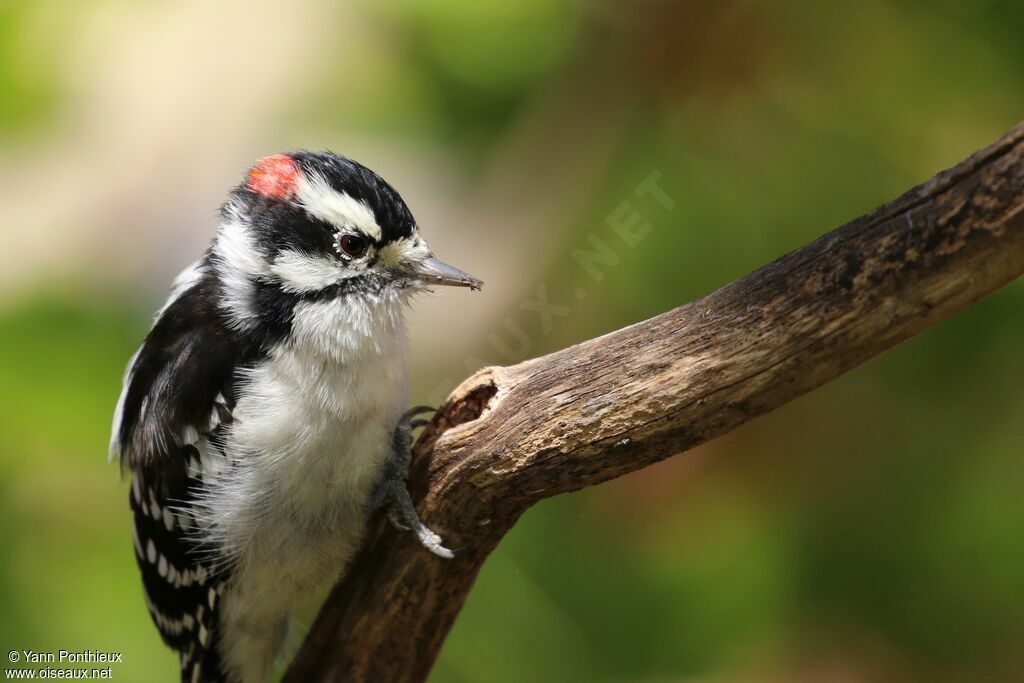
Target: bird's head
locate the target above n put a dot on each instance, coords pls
(319, 226)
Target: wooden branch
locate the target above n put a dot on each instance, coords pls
(509, 437)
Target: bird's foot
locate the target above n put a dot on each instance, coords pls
(393, 492)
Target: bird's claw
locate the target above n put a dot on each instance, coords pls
(393, 491)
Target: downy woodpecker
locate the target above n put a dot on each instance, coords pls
(262, 418)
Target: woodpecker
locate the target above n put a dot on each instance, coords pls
(263, 417)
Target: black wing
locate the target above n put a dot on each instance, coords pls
(176, 406)
(181, 584)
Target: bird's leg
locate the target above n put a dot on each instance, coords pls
(393, 492)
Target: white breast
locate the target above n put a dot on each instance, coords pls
(312, 429)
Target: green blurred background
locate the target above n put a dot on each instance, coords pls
(873, 531)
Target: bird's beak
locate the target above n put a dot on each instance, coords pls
(434, 272)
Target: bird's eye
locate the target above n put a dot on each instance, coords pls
(353, 246)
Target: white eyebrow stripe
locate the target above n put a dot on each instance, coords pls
(338, 208)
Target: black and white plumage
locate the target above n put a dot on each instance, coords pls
(258, 415)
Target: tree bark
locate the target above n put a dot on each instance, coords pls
(511, 436)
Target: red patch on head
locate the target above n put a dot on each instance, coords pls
(275, 176)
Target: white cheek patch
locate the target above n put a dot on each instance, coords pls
(317, 197)
(238, 263)
(300, 272)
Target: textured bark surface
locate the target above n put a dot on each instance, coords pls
(509, 437)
